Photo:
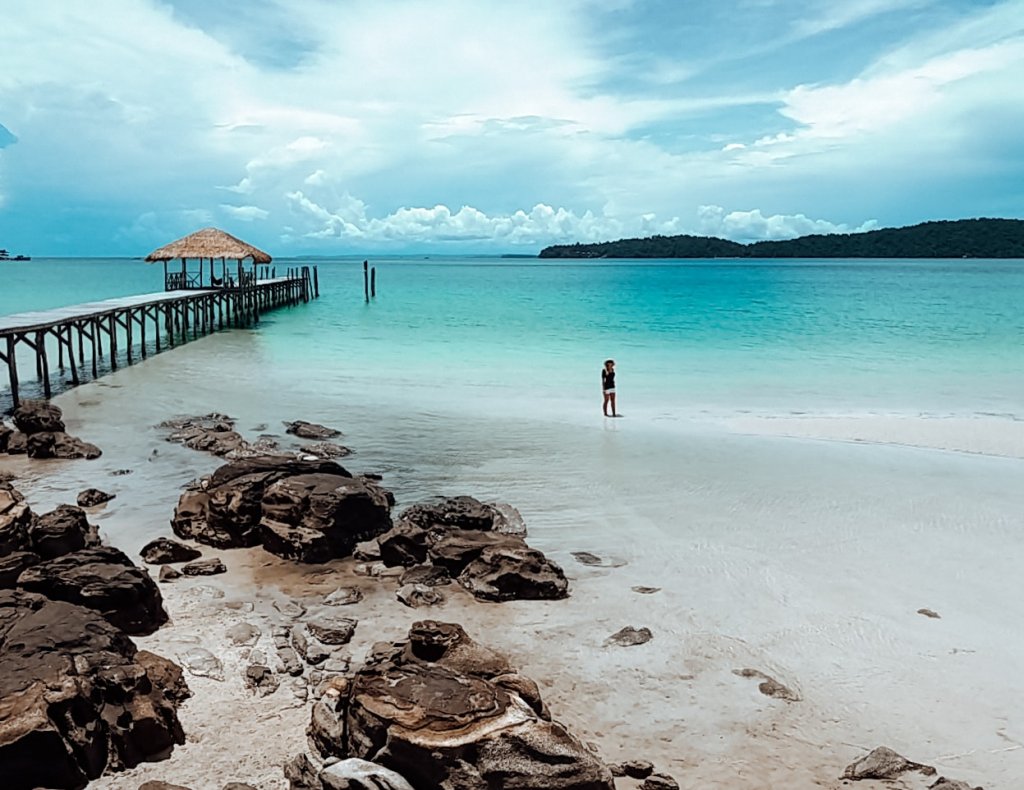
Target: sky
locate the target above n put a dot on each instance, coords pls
(338, 127)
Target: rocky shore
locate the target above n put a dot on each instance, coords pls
(298, 609)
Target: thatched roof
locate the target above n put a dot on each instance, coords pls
(208, 243)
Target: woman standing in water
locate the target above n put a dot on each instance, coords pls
(608, 387)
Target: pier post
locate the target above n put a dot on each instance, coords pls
(44, 365)
(129, 335)
(373, 282)
(93, 335)
(113, 342)
(12, 369)
(366, 282)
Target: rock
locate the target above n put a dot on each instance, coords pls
(635, 769)
(319, 517)
(290, 662)
(586, 558)
(120, 472)
(325, 450)
(331, 629)
(310, 430)
(77, 701)
(508, 520)
(15, 519)
(38, 416)
(12, 566)
(507, 573)
(344, 596)
(629, 636)
(430, 575)
(168, 574)
(164, 550)
(105, 580)
(289, 608)
(645, 590)
(438, 720)
(526, 689)
(238, 786)
(17, 443)
(356, 774)
(5, 437)
(62, 531)
(59, 445)
(91, 497)
(883, 763)
(210, 433)
(417, 595)
(929, 613)
(769, 686)
(242, 634)
(367, 551)
(457, 548)
(301, 773)
(405, 544)
(165, 675)
(261, 679)
(659, 782)
(308, 646)
(202, 663)
(942, 783)
(153, 784)
(460, 512)
(208, 567)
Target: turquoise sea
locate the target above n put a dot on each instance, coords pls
(499, 335)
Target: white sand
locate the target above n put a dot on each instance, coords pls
(807, 559)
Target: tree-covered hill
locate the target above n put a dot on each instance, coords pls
(965, 238)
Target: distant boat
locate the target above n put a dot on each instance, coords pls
(6, 256)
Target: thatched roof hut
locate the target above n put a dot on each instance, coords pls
(209, 243)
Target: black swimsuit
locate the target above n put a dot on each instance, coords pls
(607, 380)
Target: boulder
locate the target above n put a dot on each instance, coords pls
(12, 566)
(75, 699)
(355, 774)
(324, 450)
(38, 416)
(61, 531)
(227, 512)
(91, 497)
(5, 437)
(319, 517)
(209, 567)
(15, 519)
(59, 445)
(430, 575)
(514, 572)
(630, 636)
(458, 512)
(883, 763)
(209, 433)
(310, 430)
(659, 782)
(17, 443)
(168, 574)
(331, 629)
(457, 548)
(416, 595)
(161, 551)
(405, 544)
(344, 596)
(430, 710)
(635, 769)
(105, 580)
(156, 784)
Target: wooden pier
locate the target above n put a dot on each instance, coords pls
(143, 323)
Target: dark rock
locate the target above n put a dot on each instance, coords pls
(154, 784)
(261, 679)
(659, 782)
(586, 558)
(430, 575)
(164, 550)
(17, 443)
(331, 629)
(460, 512)
(168, 574)
(105, 580)
(428, 710)
(417, 595)
(301, 773)
(209, 433)
(405, 544)
(60, 445)
(457, 548)
(310, 430)
(208, 567)
(15, 519)
(769, 686)
(883, 763)
(344, 596)
(308, 646)
(12, 566)
(526, 689)
(120, 472)
(165, 675)
(942, 783)
(62, 531)
(5, 437)
(319, 517)
(635, 769)
(38, 416)
(645, 590)
(238, 786)
(629, 636)
(77, 701)
(91, 497)
(514, 572)
(227, 513)
(325, 450)
(368, 550)
(929, 613)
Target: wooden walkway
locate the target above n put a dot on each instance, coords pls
(166, 318)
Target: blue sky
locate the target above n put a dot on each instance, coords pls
(466, 126)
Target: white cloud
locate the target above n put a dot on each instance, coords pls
(754, 226)
(244, 213)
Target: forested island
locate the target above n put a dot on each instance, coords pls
(965, 238)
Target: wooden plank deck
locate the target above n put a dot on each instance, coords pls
(38, 319)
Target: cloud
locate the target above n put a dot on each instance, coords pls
(754, 226)
(245, 213)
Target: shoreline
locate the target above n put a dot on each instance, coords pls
(727, 601)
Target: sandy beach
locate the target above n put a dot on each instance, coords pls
(800, 556)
